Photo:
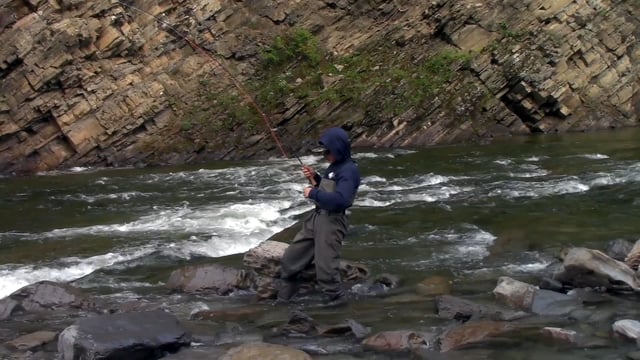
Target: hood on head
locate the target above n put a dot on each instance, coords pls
(337, 141)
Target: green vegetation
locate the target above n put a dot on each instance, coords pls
(295, 66)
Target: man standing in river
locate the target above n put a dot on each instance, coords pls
(320, 238)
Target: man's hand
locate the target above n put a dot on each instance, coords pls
(307, 192)
(308, 172)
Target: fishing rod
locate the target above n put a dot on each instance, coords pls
(248, 97)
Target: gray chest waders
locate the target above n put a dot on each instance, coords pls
(319, 241)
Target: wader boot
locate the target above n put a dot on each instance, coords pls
(319, 241)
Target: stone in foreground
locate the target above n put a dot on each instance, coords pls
(144, 335)
(561, 335)
(619, 249)
(516, 294)
(265, 258)
(526, 297)
(265, 351)
(31, 341)
(398, 341)
(44, 296)
(473, 333)
(628, 328)
(453, 308)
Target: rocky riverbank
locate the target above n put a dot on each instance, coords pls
(589, 302)
(97, 83)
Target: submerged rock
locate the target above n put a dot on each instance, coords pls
(265, 351)
(619, 249)
(592, 268)
(551, 284)
(44, 296)
(31, 341)
(302, 324)
(232, 314)
(473, 333)
(562, 335)
(526, 297)
(397, 341)
(450, 307)
(628, 328)
(217, 278)
(144, 335)
(434, 286)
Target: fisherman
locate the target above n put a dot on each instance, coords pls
(320, 239)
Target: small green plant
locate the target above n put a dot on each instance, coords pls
(186, 125)
(507, 32)
(299, 45)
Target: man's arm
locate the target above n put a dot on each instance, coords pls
(341, 199)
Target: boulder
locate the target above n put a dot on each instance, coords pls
(264, 351)
(144, 335)
(628, 328)
(450, 307)
(31, 341)
(473, 332)
(619, 249)
(44, 296)
(561, 335)
(219, 279)
(526, 297)
(633, 256)
(265, 258)
(592, 268)
(434, 286)
(516, 294)
(398, 341)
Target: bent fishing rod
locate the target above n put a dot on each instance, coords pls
(243, 91)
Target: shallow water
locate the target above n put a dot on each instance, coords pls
(472, 213)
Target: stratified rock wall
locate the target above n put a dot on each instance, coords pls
(96, 83)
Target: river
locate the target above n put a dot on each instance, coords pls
(471, 213)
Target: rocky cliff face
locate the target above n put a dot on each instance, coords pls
(101, 83)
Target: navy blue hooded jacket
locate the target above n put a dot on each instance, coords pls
(343, 171)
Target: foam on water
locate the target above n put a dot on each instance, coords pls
(529, 171)
(518, 189)
(13, 277)
(124, 196)
(594, 156)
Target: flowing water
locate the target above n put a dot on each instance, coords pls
(472, 213)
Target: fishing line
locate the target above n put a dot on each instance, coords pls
(248, 97)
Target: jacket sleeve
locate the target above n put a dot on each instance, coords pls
(342, 198)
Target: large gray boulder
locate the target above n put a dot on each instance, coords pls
(526, 297)
(219, 279)
(592, 268)
(144, 335)
(45, 296)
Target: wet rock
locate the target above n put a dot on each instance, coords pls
(353, 272)
(265, 351)
(31, 341)
(592, 268)
(551, 303)
(217, 278)
(526, 297)
(551, 284)
(145, 335)
(514, 293)
(349, 327)
(299, 324)
(450, 307)
(628, 328)
(265, 258)
(473, 333)
(434, 286)
(44, 296)
(633, 258)
(562, 335)
(619, 249)
(389, 281)
(635, 355)
(397, 341)
(233, 314)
